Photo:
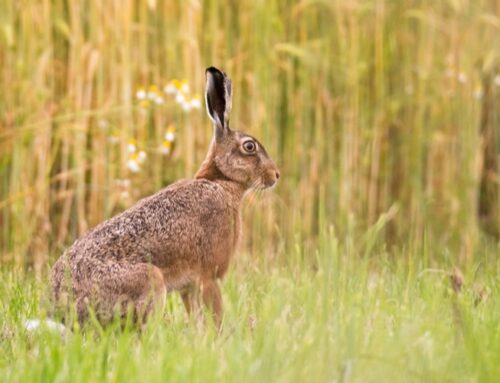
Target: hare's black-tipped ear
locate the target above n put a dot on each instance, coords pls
(218, 100)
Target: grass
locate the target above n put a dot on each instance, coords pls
(344, 318)
(383, 117)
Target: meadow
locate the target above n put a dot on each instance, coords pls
(374, 259)
(349, 319)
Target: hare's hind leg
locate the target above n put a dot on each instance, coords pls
(108, 289)
(145, 289)
(120, 289)
(139, 288)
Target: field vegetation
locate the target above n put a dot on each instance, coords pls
(377, 256)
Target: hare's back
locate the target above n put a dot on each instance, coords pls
(187, 200)
(179, 212)
(188, 221)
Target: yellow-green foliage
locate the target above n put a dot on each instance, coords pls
(373, 109)
(384, 119)
(346, 320)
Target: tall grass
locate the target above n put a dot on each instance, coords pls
(384, 118)
(376, 111)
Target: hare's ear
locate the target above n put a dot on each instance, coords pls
(218, 100)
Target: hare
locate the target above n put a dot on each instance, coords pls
(181, 238)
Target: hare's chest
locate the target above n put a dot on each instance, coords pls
(202, 239)
(219, 234)
(222, 256)
(225, 230)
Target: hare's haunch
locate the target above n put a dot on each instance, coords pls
(180, 238)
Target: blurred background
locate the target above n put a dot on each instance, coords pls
(384, 117)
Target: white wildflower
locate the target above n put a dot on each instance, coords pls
(179, 98)
(195, 103)
(186, 106)
(165, 149)
(131, 147)
(169, 136)
(158, 100)
(170, 89)
(133, 166)
(141, 156)
(141, 94)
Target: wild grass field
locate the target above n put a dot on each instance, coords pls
(351, 318)
(376, 258)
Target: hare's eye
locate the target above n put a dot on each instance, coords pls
(249, 146)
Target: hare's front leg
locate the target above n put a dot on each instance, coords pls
(189, 295)
(212, 299)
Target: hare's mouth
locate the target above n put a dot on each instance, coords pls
(258, 184)
(269, 184)
(271, 178)
(266, 183)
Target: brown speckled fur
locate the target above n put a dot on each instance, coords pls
(181, 238)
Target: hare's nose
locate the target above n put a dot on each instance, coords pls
(277, 175)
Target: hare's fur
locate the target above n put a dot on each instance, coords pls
(181, 238)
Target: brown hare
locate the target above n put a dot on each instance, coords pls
(181, 238)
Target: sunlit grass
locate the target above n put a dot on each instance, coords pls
(342, 318)
(383, 118)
